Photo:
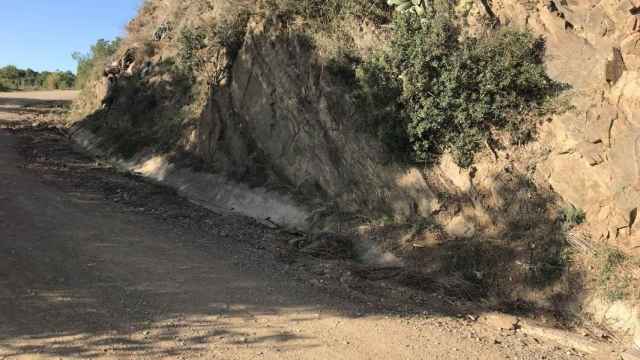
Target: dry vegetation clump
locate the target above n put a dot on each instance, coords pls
(609, 273)
(185, 49)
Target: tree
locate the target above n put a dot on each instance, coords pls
(13, 78)
(92, 63)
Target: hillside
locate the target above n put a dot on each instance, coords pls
(487, 148)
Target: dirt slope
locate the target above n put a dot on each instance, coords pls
(98, 264)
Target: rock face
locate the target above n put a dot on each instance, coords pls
(592, 159)
(281, 108)
(272, 117)
(279, 118)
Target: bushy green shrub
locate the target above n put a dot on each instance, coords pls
(230, 32)
(59, 80)
(190, 42)
(91, 65)
(571, 216)
(613, 284)
(379, 98)
(5, 85)
(197, 47)
(455, 90)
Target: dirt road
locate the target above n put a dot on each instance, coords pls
(100, 264)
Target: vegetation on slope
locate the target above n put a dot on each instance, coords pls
(90, 65)
(436, 90)
(431, 89)
(428, 90)
(325, 13)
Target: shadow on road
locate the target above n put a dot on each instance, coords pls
(24, 109)
(98, 263)
(82, 275)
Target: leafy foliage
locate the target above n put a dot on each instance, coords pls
(456, 90)
(199, 49)
(13, 78)
(571, 216)
(91, 65)
(379, 97)
(190, 42)
(230, 33)
(612, 281)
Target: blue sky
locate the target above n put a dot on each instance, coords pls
(42, 34)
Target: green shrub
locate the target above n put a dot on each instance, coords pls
(379, 98)
(59, 80)
(91, 65)
(455, 90)
(613, 283)
(571, 216)
(230, 33)
(4, 87)
(342, 65)
(190, 42)
(197, 47)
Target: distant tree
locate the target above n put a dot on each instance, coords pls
(13, 78)
(67, 80)
(10, 72)
(51, 81)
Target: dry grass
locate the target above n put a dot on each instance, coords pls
(610, 273)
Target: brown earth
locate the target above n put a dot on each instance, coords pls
(96, 263)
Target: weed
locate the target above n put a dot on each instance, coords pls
(547, 263)
(378, 99)
(91, 65)
(190, 42)
(613, 283)
(571, 216)
(208, 52)
(342, 66)
(324, 12)
(422, 224)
